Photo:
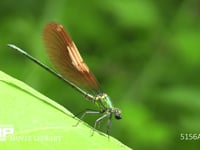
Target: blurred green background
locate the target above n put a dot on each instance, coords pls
(145, 54)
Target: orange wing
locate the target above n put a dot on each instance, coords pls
(66, 57)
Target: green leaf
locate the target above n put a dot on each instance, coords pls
(40, 123)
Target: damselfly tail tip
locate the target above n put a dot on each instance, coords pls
(16, 48)
(10, 45)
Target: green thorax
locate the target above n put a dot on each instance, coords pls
(103, 102)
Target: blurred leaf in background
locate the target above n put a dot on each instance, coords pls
(145, 54)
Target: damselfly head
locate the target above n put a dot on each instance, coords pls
(117, 113)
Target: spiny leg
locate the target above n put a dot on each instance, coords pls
(99, 120)
(87, 111)
(82, 112)
(108, 124)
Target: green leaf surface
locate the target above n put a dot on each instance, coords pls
(40, 123)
